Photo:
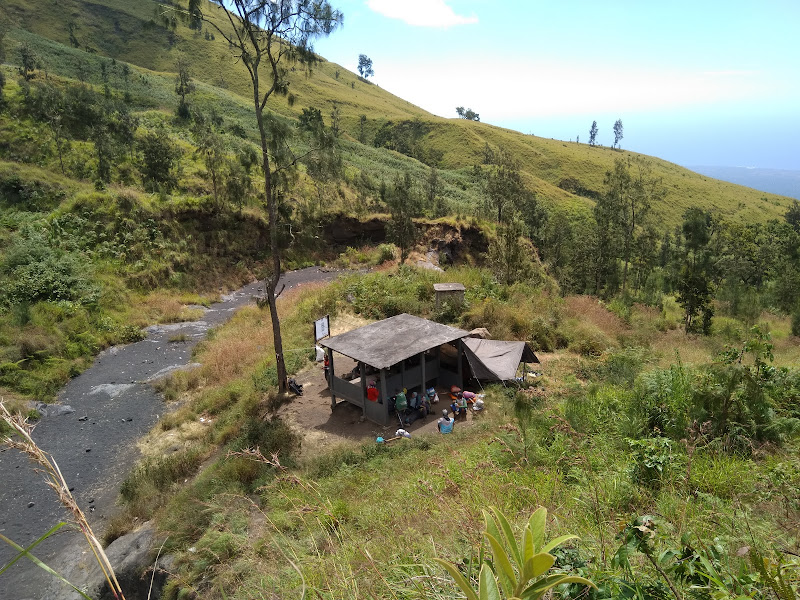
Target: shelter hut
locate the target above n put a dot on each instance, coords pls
(449, 292)
(403, 351)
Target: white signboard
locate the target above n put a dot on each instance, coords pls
(322, 328)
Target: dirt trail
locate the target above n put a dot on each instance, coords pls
(95, 446)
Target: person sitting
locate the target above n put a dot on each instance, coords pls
(433, 397)
(372, 392)
(426, 405)
(445, 423)
(459, 405)
(462, 406)
(417, 408)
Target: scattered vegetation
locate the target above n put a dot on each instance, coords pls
(665, 428)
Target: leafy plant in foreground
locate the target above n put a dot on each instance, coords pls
(694, 568)
(519, 570)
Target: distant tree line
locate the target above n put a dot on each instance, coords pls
(708, 263)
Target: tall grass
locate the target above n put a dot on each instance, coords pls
(19, 438)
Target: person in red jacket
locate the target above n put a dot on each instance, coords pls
(372, 392)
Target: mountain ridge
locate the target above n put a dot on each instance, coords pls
(152, 37)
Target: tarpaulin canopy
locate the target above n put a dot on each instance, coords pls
(495, 360)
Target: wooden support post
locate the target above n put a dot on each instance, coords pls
(363, 373)
(422, 365)
(330, 378)
(460, 364)
(384, 397)
(403, 374)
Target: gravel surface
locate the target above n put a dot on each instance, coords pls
(95, 446)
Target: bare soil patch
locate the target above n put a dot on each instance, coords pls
(322, 428)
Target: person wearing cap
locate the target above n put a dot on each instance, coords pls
(445, 423)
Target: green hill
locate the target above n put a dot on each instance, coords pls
(639, 437)
(113, 63)
(150, 37)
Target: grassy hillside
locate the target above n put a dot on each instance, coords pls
(632, 417)
(598, 440)
(118, 57)
(140, 33)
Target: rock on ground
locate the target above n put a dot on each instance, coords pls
(133, 557)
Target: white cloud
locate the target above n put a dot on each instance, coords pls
(504, 90)
(420, 13)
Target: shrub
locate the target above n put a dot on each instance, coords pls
(729, 329)
(601, 409)
(738, 394)
(662, 400)
(29, 195)
(386, 252)
(622, 367)
(272, 435)
(37, 271)
(650, 460)
(588, 340)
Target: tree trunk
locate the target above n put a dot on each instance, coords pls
(271, 281)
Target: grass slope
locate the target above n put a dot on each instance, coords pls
(134, 32)
(364, 520)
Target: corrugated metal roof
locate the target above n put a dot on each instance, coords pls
(386, 343)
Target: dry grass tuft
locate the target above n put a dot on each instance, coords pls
(344, 322)
(21, 440)
(237, 347)
(158, 441)
(162, 307)
(693, 349)
(592, 310)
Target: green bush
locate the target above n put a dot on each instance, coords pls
(270, 436)
(738, 395)
(622, 366)
(30, 195)
(34, 270)
(587, 340)
(731, 330)
(662, 401)
(386, 252)
(601, 409)
(155, 475)
(651, 459)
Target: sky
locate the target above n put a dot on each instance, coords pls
(701, 82)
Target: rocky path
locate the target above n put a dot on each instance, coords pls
(91, 432)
